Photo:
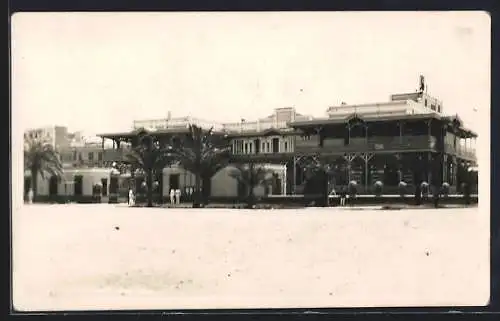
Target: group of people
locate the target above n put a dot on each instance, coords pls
(343, 195)
(175, 196)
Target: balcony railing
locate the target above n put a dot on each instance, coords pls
(403, 143)
(460, 151)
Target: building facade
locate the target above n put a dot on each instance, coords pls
(407, 139)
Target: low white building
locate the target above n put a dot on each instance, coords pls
(69, 184)
(222, 184)
(80, 182)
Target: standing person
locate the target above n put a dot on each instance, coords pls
(30, 196)
(342, 196)
(131, 200)
(178, 196)
(172, 196)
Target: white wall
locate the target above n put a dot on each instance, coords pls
(223, 185)
(186, 179)
(91, 177)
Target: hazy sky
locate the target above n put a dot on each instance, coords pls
(99, 71)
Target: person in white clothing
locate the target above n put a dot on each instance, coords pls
(177, 196)
(131, 197)
(30, 196)
(172, 196)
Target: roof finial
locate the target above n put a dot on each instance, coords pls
(422, 83)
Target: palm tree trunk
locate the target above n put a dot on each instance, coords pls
(34, 183)
(251, 195)
(150, 187)
(197, 190)
(206, 188)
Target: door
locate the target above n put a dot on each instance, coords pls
(174, 180)
(276, 145)
(78, 185)
(104, 182)
(53, 182)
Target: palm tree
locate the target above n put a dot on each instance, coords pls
(203, 154)
(251, 176)
(149, 156)
(41, 158)
(317, 177)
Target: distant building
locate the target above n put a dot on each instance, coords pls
(57, 136)
(399, 104)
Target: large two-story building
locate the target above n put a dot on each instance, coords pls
(407, 138)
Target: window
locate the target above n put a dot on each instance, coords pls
(80, 156)
(246, 148)
(268, 146)
(250, 148)
(263, 147)
(74, 155)
(286, 146)
(425, 103)
(91, 156)
(99, 156)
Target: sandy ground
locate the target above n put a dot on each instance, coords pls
(73, 257)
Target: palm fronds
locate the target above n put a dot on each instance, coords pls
(41, 158)
(201, 154)
(149, 157)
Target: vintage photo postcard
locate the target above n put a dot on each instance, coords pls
(211, 160)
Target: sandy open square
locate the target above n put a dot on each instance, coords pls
(102, 256)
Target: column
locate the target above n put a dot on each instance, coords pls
(400, 167)
(317, 130)
(446, 169)
(401, 124)
(294, 186)
(102, 144)
(365, 126)
(455, 170)
(429, 168)
(367, 157)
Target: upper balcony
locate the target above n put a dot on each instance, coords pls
(464, 152)
(370, 144)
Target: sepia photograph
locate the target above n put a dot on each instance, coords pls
(250, 160)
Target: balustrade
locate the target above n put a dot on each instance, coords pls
(377, 143)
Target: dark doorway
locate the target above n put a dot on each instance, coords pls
(113, 185)
(276, 145)
(53, 182)
(174, 181)
(78, 185)
(27, 185)
(257, 146)
(104, 182)
(276, 189)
